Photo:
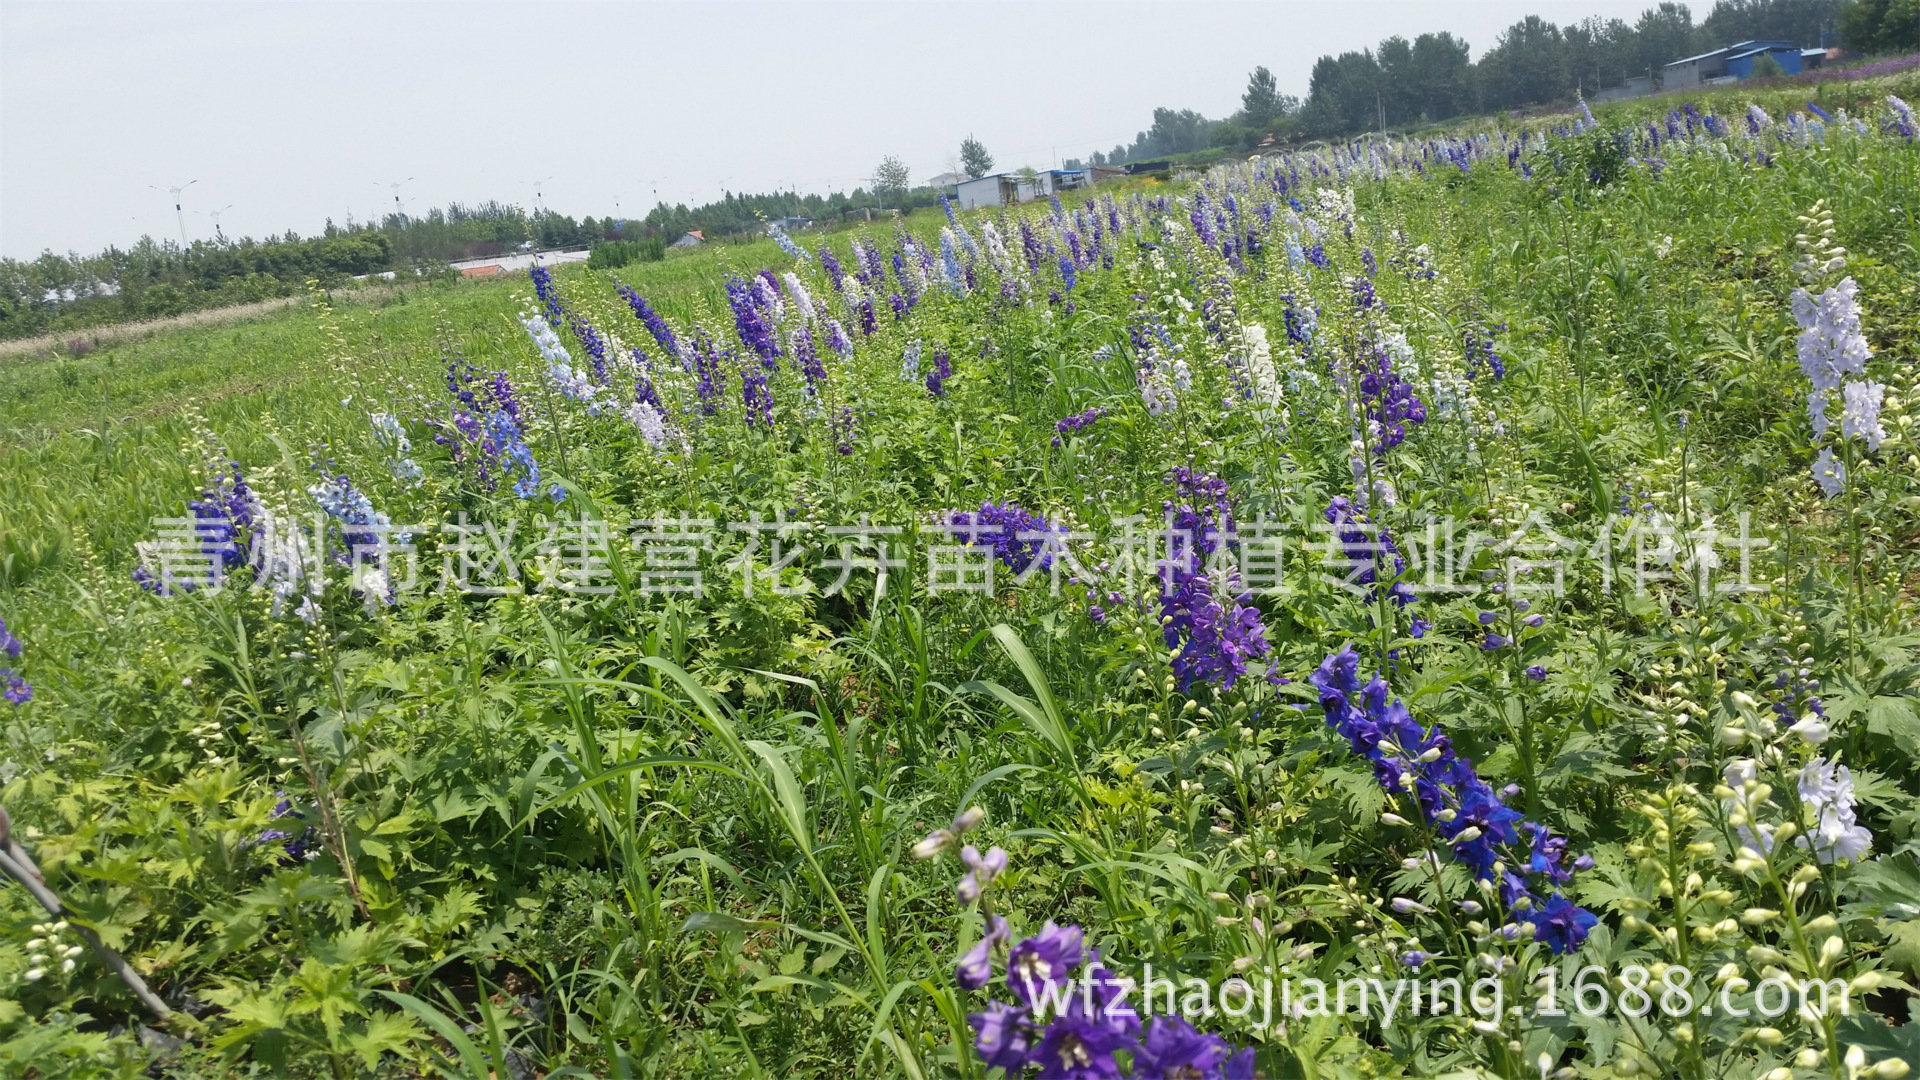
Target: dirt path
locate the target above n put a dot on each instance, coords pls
(121, 333)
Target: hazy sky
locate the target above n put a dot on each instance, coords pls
(292, 113)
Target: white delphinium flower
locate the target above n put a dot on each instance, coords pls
(1827, 789)
(1831, 475)
(1860, 412)
(1748, 795)
(802, 299)
(1260, 369)
(653, 426)
(1830, 344)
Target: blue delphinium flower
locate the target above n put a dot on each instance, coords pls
(843, 431)
(1067, 275)
(552, 306)
(1078, 422)
(1483, 833)
(942, 371)
(1366, 552)
(655, 325)
(950, 264)
(747, 320)
(999, 527)
(757, 398)
(832, 267)
(1204, 615)
(15, 690)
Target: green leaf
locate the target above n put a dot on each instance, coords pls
(385, 1033)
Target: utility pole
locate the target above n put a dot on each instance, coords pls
(538, 205)
(214, 216)
(399, 211)
(177, 212)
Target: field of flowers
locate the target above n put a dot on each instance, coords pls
(1425, 607)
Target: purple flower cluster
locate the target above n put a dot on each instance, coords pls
(222, 520)
(1210, 622)
(1078, 422)
(295, 849)
(757, 398)
(942, 371)
(651, 319)
(751, 324)
(485, 430)
(552, 306)
(1091, 1021)
(708, 368)
(1484, 834)
(15, 690)
(1365, 550)
(843, 431)
(1389, 400)
(1476, 342)
(1000, 527)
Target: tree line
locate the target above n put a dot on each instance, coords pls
(1433, 77)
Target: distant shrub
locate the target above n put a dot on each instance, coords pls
(617, 253)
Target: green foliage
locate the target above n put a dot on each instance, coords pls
(622, 834)
(615, 254)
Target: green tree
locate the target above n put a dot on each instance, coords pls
(1261, 102)
(1442, 76)
(890, 180)
(1664, 33)
(974, 159)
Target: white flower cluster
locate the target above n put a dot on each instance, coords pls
(44, 948)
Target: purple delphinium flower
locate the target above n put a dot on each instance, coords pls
(8, 643)
(707, 366)
(832, 267)
(655, 325)
(1004, 1036)
(1470, 816)
(1043, 959)
(1175, 1050)
(1078, 422)
(942, 371)
(1559, 925)
(16, 691)
(1210, 623)
(999, 527)
(975, 969)
(757, 398)
(553, 307)
(1493, 641)
(748, 322)
(1366, 551)
(1076, 1047)
(1537, 673)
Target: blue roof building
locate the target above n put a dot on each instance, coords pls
(1732, 62)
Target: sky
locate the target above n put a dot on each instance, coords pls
(289, 114)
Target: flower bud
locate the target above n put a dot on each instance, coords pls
(936, 842)
(1890, 1069)
(969, 819)
(1768, 1036)
(1394, 819)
